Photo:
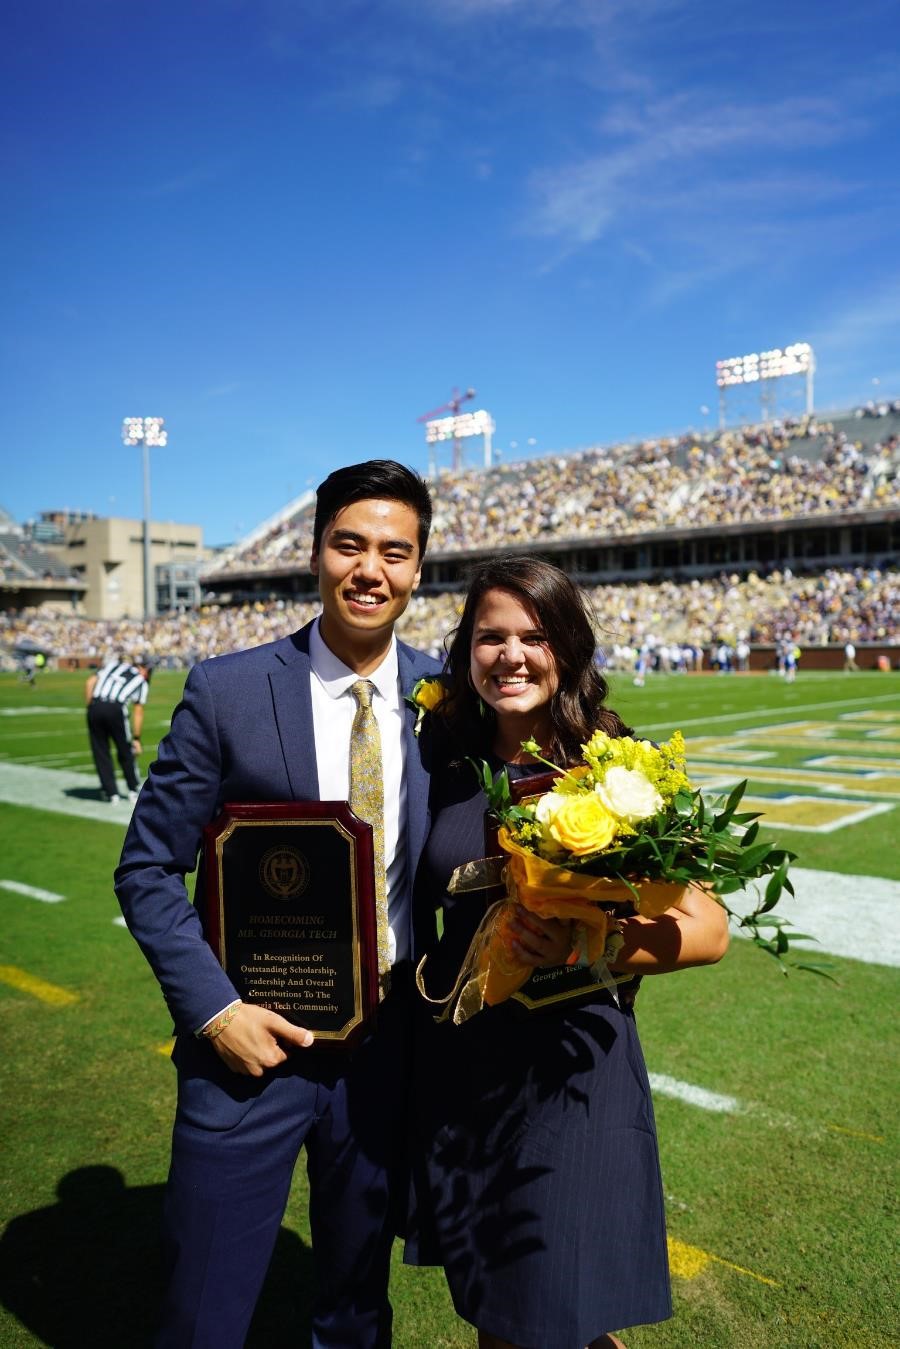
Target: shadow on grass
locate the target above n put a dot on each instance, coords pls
(85, 793)
(88, 1270)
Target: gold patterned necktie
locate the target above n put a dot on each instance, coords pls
(367, 801)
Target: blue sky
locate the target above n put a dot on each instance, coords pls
(290, 228)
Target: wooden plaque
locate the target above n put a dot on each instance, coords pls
(290, 889)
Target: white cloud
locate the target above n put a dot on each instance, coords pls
(862, 322)
(684, 153)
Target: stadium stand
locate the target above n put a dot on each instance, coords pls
(861, 605)
(781, 472)
(822, 572)
(28, 573)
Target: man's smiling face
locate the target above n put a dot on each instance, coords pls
(368, 566)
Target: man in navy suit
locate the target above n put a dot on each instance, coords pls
(273, 724)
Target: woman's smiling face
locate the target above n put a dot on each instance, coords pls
(512, 666)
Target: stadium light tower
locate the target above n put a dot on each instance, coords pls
(762, 368)
(457, 428)
(147, 432)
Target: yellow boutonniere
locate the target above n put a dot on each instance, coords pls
(427, 694)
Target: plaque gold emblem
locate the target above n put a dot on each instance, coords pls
(284, 872)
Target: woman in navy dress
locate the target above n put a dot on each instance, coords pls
(537, 1171)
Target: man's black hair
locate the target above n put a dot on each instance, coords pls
(381, 479)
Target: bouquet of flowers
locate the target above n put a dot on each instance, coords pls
(623, 827)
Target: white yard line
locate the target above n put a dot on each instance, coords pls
(38, 711)
(770, 712)
(663, 1085)
(32, 892)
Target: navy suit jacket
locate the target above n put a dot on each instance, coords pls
(242, 732)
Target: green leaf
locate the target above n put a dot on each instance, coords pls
(821, 967)
(733, 800)
(727, 885)
(751, 857)
(683, 803)
(775, 956)
(774, 888)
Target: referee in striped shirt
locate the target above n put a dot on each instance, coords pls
(109, 693)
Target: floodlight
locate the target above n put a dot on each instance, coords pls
(762, 368)
(147, 432)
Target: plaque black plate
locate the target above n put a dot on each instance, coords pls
(290, 889)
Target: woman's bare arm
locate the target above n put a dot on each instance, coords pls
(693, 932)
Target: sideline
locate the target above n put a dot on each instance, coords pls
(857, 917)
(61, 791)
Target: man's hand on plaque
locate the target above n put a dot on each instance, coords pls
(257, 1039)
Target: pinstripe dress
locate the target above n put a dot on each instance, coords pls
(537, 1182)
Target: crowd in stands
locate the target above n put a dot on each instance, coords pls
(883, 408)
(23, 561)
(835, 606)
(782, 471)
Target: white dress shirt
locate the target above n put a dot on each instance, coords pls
(333, 709)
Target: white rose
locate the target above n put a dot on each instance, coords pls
(544, 813)
(629, 794)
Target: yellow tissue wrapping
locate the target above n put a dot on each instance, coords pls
(552, 891)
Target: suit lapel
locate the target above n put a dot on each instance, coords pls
(292, 703)
(417, 780)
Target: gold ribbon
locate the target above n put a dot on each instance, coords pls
(556, 892)
(490, 972)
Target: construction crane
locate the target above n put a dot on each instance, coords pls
(452, 408)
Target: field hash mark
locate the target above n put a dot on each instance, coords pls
(38, 988)
(32, 892)
(686, 1262)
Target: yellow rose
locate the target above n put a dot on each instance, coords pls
(429, 694)
(583, 825)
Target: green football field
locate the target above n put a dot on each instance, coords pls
(775, 1096)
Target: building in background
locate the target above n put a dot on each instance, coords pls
(107, 555)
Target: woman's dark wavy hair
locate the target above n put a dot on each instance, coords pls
(563, 614)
